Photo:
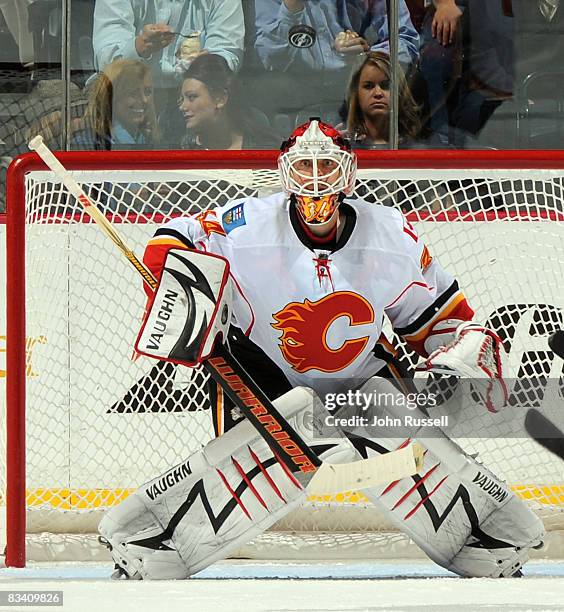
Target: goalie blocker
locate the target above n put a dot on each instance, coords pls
(189, 311)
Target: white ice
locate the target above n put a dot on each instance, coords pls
(250, 586)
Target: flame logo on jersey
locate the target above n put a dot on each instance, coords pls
(426, 259)
(210, 223)
(304, 327)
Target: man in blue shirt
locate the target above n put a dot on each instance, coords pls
(307, 73)
(275, 18)
(148, 30)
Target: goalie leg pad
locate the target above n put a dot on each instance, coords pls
(459, 525)
(514, 524)
(457, 511)
(206, 507)
(128, 523)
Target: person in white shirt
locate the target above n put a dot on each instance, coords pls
(17, 17)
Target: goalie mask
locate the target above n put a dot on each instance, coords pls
(318, 169)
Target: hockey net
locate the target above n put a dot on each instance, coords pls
(87, 424)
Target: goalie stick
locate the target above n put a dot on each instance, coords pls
(556, 343)
(290, 449)
(539, 427)
(545, 432)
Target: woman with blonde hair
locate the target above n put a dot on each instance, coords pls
(121, 112)
(368, 123)
(368, 104)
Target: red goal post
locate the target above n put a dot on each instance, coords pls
(491, 214)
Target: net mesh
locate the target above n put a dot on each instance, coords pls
(100, 423)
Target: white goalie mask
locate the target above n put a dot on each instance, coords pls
(318, 167)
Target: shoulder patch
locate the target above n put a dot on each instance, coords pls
(234, 217)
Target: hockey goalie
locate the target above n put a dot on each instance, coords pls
(312, 274)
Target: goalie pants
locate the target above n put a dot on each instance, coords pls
(272, 380)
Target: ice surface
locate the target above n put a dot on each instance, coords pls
(246, 586)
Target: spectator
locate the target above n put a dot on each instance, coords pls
(16, 15)
(438, 75)
(488, 79)
(121, 112)
(368, 105)
(153, 31)
(213, 115)
(328, 18)
(368, 124)
(313, 65)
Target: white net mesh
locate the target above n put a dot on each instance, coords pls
(100, 423)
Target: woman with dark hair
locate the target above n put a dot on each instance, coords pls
(368, 105)
(209, 103)
(120, 112)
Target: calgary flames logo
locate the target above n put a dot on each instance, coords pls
(304, 327)
(210, 224)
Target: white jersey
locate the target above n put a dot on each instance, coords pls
(318, 314)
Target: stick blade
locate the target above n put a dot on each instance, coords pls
(556, 343)
(545, 432)
(333, 478)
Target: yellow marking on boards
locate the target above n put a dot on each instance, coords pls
(90, 499)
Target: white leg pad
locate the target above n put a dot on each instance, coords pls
(456, 510)
(207, 506)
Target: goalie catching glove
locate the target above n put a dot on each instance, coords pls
(475, 353)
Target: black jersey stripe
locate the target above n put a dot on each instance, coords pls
(429, 313)
(166, 231)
